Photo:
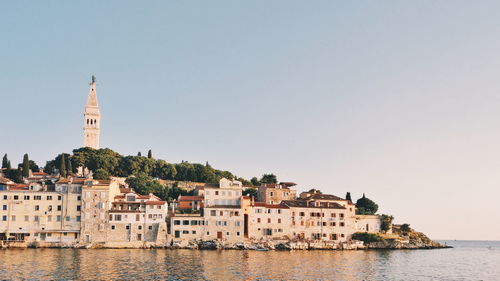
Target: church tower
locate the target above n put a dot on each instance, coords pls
(91, 119)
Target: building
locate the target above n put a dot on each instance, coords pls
(275, 193)
(322, 217)
(91, 119)
(137, 218)
(220, 218)
(97, 199)
(31, 213)
(266, 221)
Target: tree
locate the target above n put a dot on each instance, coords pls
(405, 228)
(62, 167)
(386, 222)
(252, 192)
(348, 196)
(365, 206)
(26, 166)
(150, 154)
(15, 175)
(268, 178)
(8, 165)
(255, 181)
(5, 161)
(101, 174)
(69, 167)
(139, 154)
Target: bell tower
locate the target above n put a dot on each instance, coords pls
(91, 119)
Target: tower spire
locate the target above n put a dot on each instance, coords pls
(91, 118)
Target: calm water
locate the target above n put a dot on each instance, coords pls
(470, 260)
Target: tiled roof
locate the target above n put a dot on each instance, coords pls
(288, 183)
(19, 187)
(318, 196)
(5, 180)
(190, 198)
(125, 190)
(270, 206)
(304, 204)
(156, 202)
(40, 174)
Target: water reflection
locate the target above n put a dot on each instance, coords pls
(452, 264)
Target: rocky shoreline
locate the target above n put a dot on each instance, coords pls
(412, 241)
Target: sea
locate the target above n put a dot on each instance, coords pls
(467, 260)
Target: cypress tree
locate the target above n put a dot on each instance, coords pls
(8, 165)
(69, 167)
(348, 196)
(139, 154)
(5, 161)
(26, 166)
(62, 167)
(150, 154)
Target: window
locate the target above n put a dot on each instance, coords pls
(78, 218)
(258, 211)
(49, 218)
(208, 232)
(213, 213)
(68, 218)
(4, 218)
(216, 192)
(271, 193)
(237, 223)
(127, 227)
(59, 197)
(37, 207)
(79, 198)
(118, 217)
(177, 222)
(16, 197)
(302, 214)
(26, 197)
(278, 211)
(26, 218)
(221, 213)
(59, 207)
(139, 237)
(139, 227)
(268, 220)
(150, 227)
(5, 197)
(37, 218)
(185, 232)
(342, 235)
(341, 215)
(58, 218)
(4, 207)
(342, 224)
(238, 233)
(279, 220)
(49, 197)
(37, 197)
(112, 227)
(258, 220)
(78, 208)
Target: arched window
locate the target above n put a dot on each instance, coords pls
(88, 121)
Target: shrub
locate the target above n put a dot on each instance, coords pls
(367, 237)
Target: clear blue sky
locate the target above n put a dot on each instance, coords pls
(398, 99)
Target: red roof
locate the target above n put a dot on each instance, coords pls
(155, 202)
(40, 174)
(19, 187)
(190, 198)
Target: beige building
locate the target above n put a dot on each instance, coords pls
(137, 218)
(275, 193)
(32, 213)
(221, 217)
(322, 217)
(267, 221)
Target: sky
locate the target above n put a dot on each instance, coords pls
(395, 99)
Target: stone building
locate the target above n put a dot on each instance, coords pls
(275, 193)
(97, 198)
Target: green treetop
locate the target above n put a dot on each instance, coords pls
(365, 206)
(26, 166)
